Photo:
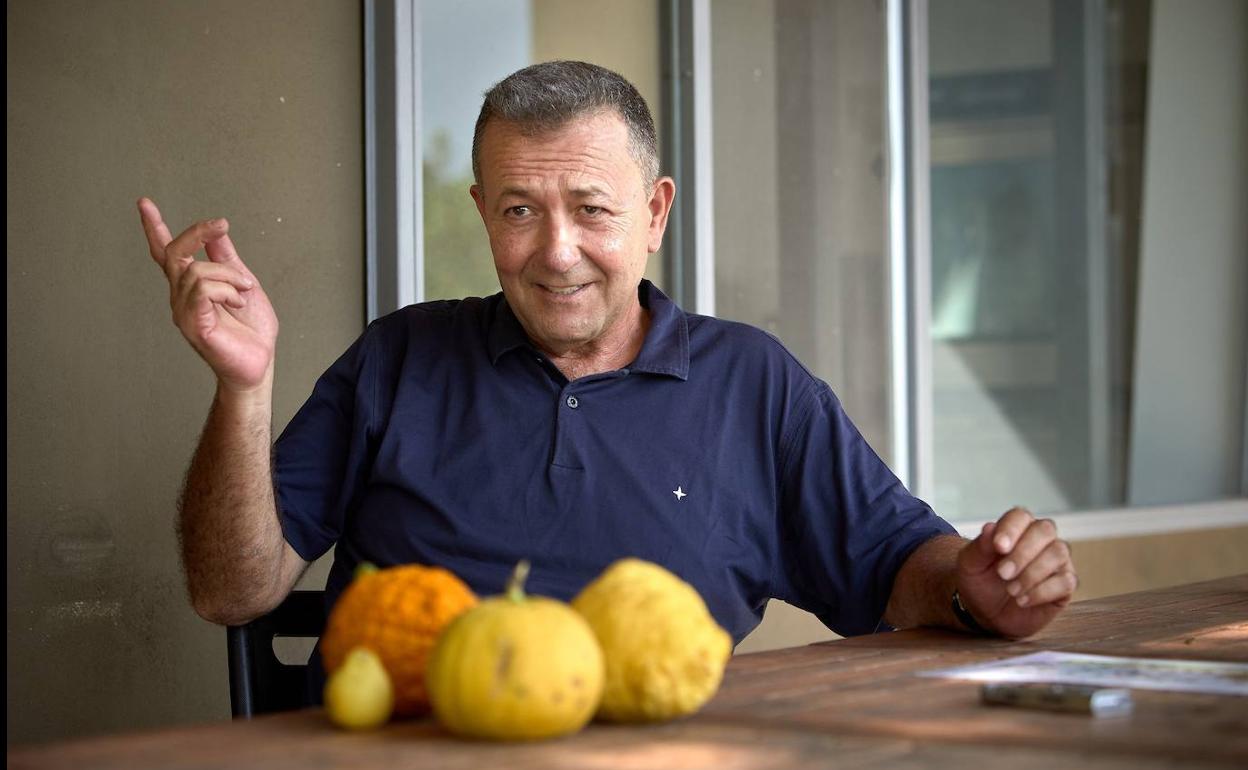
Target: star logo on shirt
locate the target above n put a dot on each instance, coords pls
(679, 492)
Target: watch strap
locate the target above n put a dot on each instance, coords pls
(965, 617)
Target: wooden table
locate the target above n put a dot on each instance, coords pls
(852, 703)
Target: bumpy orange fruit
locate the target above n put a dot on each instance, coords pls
(398, 613)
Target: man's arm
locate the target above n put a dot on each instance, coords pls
(238, 563)
(1013, 579)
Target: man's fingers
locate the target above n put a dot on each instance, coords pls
(1056, 589)
(987, 530)
(1010, 527)
(200, 309)
(221, 249)
(1027, 546)
(181, 251)
(154, 228)
(177, 254)
(199, 271)
(1054, 558)
(199, 288)
(979, 554)
(217, 293)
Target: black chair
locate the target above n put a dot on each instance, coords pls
(259, 682)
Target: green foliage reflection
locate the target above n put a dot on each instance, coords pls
(457, 251)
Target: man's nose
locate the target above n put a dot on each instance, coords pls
(560, 243)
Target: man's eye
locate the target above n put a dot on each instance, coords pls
(593, 211)
(518, 211)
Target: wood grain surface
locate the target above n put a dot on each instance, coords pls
(850, 703)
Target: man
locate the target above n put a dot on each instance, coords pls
(577, 417)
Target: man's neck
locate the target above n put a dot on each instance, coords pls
(607, 356)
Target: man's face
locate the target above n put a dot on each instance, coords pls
(571, 223)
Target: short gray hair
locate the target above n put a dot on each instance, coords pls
(545, 97)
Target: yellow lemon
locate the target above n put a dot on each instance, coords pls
(359, 695)
(664, 653)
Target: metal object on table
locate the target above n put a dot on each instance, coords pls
(1068, 698)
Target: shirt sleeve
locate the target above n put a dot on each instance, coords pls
(322, 458)
(847, 523)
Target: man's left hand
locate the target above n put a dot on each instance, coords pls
(1017, 575)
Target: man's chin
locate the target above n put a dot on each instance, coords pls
(562, 336)
(564, 339)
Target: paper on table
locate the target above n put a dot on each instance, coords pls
(1141, 673)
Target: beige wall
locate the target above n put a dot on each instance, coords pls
(226, 108)
(1108, 567)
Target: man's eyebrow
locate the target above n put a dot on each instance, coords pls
(589, 191)
(514, 191)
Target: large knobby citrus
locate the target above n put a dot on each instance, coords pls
(664, 653)
(398, 613)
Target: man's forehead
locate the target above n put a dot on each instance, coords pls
(588, 152)
(606, 124)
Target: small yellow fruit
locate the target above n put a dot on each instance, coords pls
(359, 695)
(665, 654)
(516, 667)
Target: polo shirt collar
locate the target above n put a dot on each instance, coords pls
(505, 332)
(665, 350)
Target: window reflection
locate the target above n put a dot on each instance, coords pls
(1029, 333)
(800, 203)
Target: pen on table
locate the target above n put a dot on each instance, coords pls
(1069, 698)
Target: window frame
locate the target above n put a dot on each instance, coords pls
(394, 229)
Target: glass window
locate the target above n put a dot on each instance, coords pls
(1015, 235)
(453, 76)
(800, 206)
(1062, 374)
(1049, 351)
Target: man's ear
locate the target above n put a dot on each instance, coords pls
(660, 205)
(478, 197)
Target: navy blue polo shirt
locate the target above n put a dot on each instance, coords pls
(443, 436)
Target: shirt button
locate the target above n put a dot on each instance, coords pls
(572, 402)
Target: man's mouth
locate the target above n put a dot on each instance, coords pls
(564, 291)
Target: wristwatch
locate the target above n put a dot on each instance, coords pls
(965, 617)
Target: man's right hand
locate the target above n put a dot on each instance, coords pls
(217, 304)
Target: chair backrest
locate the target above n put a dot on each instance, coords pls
(259, 682)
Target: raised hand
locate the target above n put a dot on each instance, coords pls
(217, 304)
(1017, 575)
